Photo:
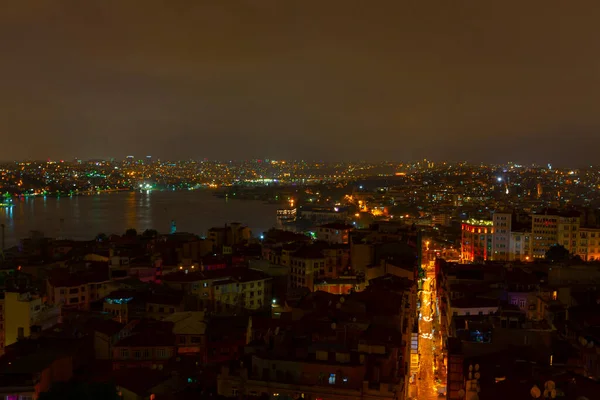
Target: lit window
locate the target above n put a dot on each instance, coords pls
(332, 379)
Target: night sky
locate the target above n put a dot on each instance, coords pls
(332, 80)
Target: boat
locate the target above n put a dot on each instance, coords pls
(6, 201)
(286, 214)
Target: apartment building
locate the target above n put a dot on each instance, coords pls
(588, 247)
(553, 227)
(223, 289)
(22, 312)
(521, 246)
(501, 239)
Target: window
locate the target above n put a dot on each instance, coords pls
(522, 303)
(161, 309)
(234, 392)
(137, 354)
(195, 339)
(205, 284)
(161, 353)
(332, 379)
(146, 353)
(124, 353)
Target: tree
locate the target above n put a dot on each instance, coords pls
(101, 237)
(557, 253)
(131, 232)
(81, 391)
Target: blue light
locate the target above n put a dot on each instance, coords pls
(119, 301)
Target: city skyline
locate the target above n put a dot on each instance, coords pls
(476, 82)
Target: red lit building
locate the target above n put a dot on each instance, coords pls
(476, 240)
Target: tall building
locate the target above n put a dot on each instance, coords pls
(476, 241)
(502, 225)
(553, 227)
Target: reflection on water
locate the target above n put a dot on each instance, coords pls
(86, 216)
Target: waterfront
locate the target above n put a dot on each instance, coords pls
(83, 217)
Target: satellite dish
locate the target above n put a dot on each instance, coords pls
(476, 367)
(535, 392)
(477, 375)
(342, 299)
(333, 325)
(461, 393)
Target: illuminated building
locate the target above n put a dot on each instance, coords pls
(588, 247)
(553, 227)
(502, 223)
(520, 246)
(22, 312)
(476, 240)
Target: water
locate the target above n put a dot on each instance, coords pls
(83, 217)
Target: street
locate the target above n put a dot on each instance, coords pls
(426, 386)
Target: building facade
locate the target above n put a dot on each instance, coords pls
(477, 240)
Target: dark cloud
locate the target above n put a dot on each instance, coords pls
(492, 81)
